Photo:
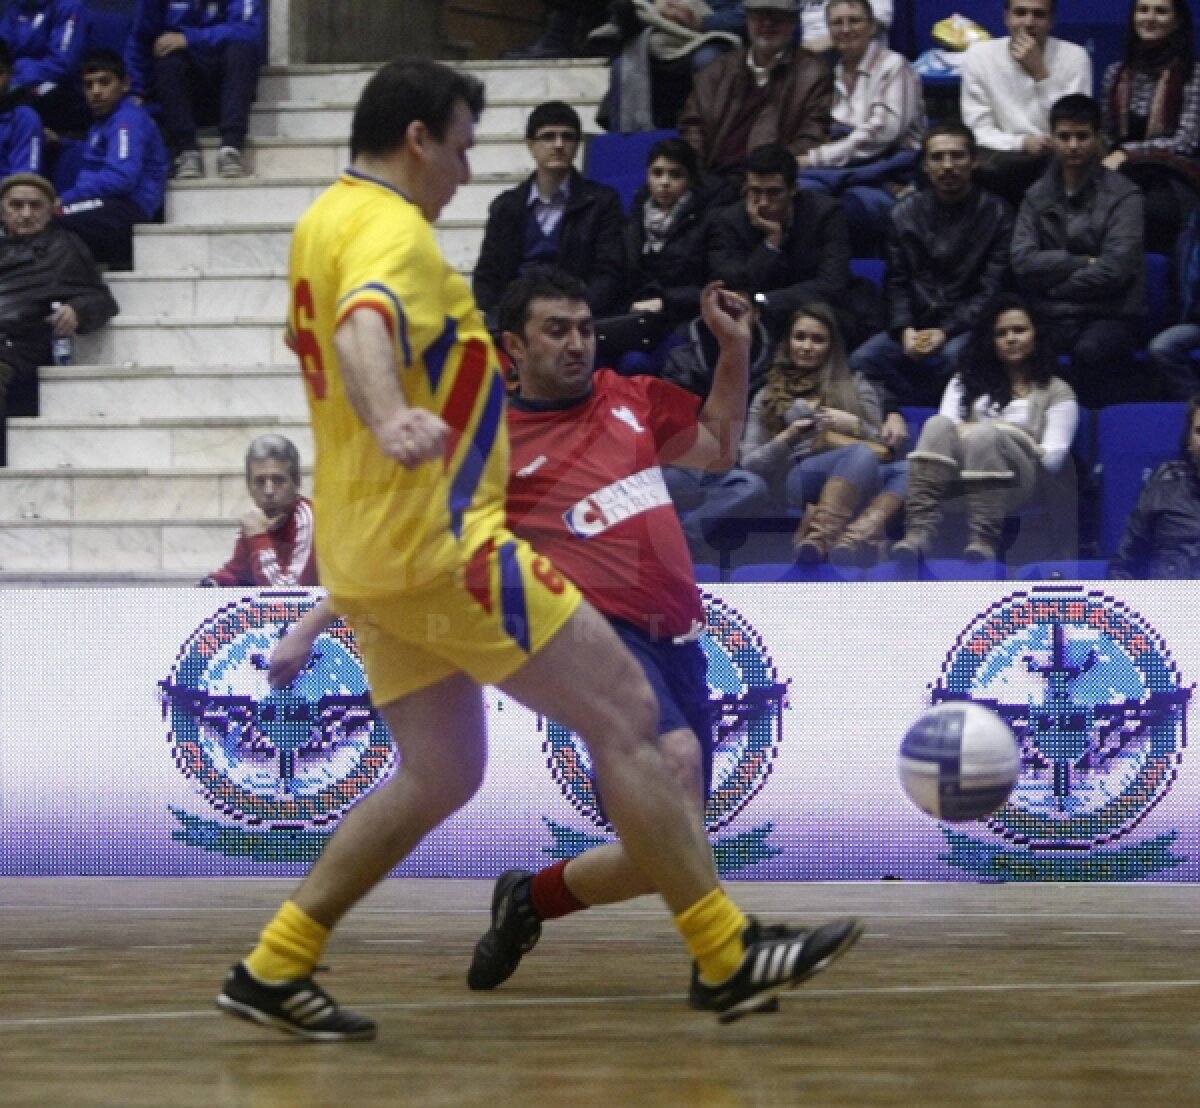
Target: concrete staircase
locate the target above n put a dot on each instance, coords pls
(132, 472)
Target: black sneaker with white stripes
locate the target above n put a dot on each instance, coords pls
(299, 1007)
(777, 957)
(515, 931)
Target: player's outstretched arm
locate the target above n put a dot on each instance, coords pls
(723, 417)
(291, 653)
(367, 354)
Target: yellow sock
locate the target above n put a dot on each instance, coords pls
(289, 947)
(712, 929)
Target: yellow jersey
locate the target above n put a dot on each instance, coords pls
(381, 528)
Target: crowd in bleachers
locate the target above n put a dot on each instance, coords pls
(1027, 280)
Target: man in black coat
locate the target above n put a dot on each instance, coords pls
(49, 286)
(947, 258)
(556, 217)
(792, 245)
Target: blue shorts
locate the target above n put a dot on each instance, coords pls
(678, 674)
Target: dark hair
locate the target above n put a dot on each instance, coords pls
(1192, 408)
(1077, 107)
(677, 151)
(406, 91)
(1053, 5)
(953, 129)
(6, 62)
(1178, 44)
(540, 283)
(773, 157)
(103, 61)
(982, 372)
(553, 113)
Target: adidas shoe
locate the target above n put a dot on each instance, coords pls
(514, 932)
(299, 1007)
(777, 958)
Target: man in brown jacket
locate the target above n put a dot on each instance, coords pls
(775, 92)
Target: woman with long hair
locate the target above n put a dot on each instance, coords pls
(1005, 421)
(1151, 102)
(813, 433)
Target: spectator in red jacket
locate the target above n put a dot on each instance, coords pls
(275, 546)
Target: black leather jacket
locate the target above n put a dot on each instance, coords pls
(1162, 537)
(37, 270)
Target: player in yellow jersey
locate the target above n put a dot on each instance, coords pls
(407, 406)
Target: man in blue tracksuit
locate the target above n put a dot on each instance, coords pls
(47, 39)
(22, 138)
(200, 60)
(124, 175)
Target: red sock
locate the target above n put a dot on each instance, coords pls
(549, 894)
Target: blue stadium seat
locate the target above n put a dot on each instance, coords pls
(108, 30)
(620, 160)
(1158, 307)
(1085, 569)
(707, 574)
(941, 569)
(873, 269)
(792, 571)
(915, 418)
(1132, 440)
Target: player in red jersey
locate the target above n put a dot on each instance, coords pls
(585, 488)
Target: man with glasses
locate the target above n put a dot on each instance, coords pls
(775, 91)
(555, 217)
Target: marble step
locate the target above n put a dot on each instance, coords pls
(208, 443)
(165, 246)
(569, 79)
(187, 547)
(249, 200)
(194, 293)
(331, 118)
(229, 340)
(164, 392)
(113, 495)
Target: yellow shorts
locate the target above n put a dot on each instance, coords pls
(501, 606)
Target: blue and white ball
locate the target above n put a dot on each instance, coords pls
(959, 761)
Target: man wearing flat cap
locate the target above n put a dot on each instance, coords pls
(774, 91)
(49, 285)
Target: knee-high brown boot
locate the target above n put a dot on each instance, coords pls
(928, 483)
(823, 523)
(985, 522)
(860, 542)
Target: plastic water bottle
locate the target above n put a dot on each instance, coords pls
(62, 347)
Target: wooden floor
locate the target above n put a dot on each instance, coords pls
(956, 995)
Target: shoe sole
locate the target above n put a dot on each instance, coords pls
(251, 1014)
(768, 1000)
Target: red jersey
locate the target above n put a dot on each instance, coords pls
(586, 490)
(283, 557)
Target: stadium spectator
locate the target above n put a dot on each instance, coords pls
(656, 46)
(793, 246)
(555, 217)
(947, 257)
(1077, 248)
(1003, 432)
(1170, 351)
(1162, 537)
(814, 26)
(1151, 102)
(200, 62)
(123, 178)
(22, 137)
(562, 19)
(275, 546)
(813, 432)
(1009, 86)
(49, 285)
(773, 92)
(878, 119)
(47, 39)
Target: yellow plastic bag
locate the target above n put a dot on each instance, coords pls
(957, 32)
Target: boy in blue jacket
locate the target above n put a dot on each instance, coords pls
(200, 59)
(123, 178)
(22, 139)
(47, 40)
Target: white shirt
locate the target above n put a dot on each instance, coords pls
(884, 110)
(1003, 105)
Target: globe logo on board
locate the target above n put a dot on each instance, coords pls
(291, 758)
(747, 699)
(1097, 701)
